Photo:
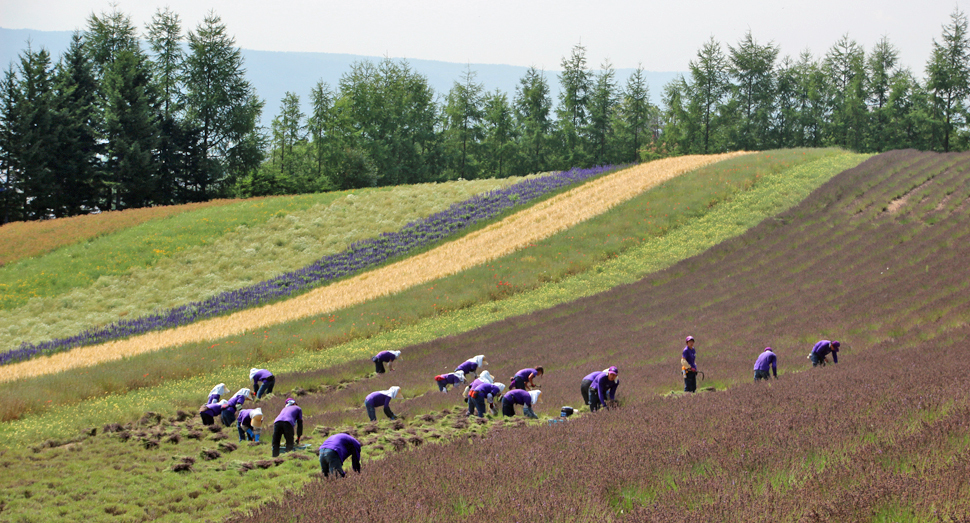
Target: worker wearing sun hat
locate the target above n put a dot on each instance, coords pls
(263, 381)
(520, 397)
(381, 398)
(291, 416)
(385, 356)
(600, 389)
(209, 411)
(471, 365)
(484, 377)
(236, 401)
(822, 349)
(249, 423)
(216, 394)
(452, 378)
(688, 366)
(482, 392)
(766, 361)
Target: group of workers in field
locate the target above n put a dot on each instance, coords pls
(598, 390)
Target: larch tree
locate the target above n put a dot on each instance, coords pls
(948, 80)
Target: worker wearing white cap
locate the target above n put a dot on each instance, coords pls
(520, 397)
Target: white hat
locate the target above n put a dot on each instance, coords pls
(461, 375)
(219, 389)
(252, 372)
(246, 393)
(535, 395)
(501, 387)
(391, 392)
(478, 360)
(486, 377)
(396, 353)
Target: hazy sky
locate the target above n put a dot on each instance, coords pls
(662, 35)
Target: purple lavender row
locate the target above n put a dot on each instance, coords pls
(357, 257)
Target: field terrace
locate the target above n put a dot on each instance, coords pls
(881, 436)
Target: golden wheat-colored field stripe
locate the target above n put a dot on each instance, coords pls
(501, 238)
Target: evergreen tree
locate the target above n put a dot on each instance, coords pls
(844, 64)
(10, 149)
(106, 36)
(813, 105)
(532, 107)
(322, 128)
(602, 108)
(785, 119)
(634, 117)
(948, 80)
(289, 130)
(679, 129)
(499, 135)
(223, 106)
(707, 88)
(463, 113)
(752, 93)
(572, 113)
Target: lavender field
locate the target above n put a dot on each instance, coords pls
(875, 258)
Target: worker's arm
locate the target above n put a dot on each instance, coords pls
(835, 356)
(299, 429)
(355, 459)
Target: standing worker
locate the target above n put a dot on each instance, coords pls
(335, 450)
(520, 397)
(291, 416)
(229, 413)
(452, 378)
(523, 379)
(249, 423)
(381, 398)
(385, 356)
(689, 366)
(216, 394)
(263, 381)
(821, 350)
(601, 389)
(209, 412)
(482, 392)
(765, 360)
(471, 365)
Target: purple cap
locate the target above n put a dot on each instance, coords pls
(290, 401)
(690, 338)
(768, 348)
(836, 344)
(612, 370)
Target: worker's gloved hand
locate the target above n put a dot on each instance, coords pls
(356, 468)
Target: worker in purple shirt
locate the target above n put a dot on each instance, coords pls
(385, 356)
(263, 381)
(216, 394)
(290, 417)
(452, 378)
(209, 411)
(520, 397)
(471, 365)
(689, 366)
(482, 392)
(600, 388)
(766, 360)
(381, 398)
(484, 377)
(240, 397)
(334, 451)
(249, 423)
(523, 379)
(822, 349)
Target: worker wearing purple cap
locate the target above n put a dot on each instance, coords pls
(600, 388)
(520, 397)
(291, 416)
(689, 366)
(822, 349)
(480, 394)
(385, 356)
(335, 450)
(263, 381)
(523, 379)
(209, 412)
(766, 360)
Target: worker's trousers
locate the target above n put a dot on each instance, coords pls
(281, 430)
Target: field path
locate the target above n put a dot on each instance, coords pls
(513, 233)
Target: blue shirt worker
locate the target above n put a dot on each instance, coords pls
(689, 366)
(766, 360)
(822, 349)
(520, 397)
(263, 381)
(335, 450)
(385, 356)
(290, 417)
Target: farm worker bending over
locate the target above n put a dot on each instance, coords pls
(766, 360)
(335, 450)
(484, 377)
(210, 411)
(482, 392)
(249, 423)
(520, 397)
(381, 398)
(822, 349)
(385, 356)
(523, 378)
(266, 378)
(216, 394)
(471, 365)
(452, 378)
(689, 366)
(601, 388)
(290, 416)
(229, 413)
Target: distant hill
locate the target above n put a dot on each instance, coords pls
(275, 73)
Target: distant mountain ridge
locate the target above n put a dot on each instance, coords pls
(274, 73)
